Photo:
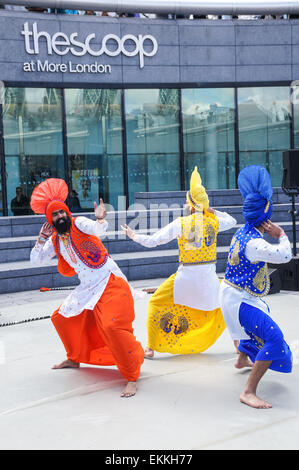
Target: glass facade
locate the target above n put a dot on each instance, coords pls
(209, 135)
(108, 143)
(264, 128)
(295, 103)
(32, 128)
(152, 135)
(94, 147)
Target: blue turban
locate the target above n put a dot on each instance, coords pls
(256, 188)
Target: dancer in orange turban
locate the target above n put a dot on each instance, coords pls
(95, 321)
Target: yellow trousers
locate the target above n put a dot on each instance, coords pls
(177, 329)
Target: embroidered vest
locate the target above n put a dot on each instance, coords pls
(89, 249)
(242, 273)
(198, 242)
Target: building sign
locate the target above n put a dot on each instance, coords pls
(61, 44)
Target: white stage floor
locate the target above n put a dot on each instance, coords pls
(183, 402)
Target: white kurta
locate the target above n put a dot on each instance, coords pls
(92, 281)
(231, 298)
(195, 286)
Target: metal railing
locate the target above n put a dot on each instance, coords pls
(177, 7)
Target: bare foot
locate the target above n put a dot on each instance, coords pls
(67, 364)
(252, 400)
(243, 361)
(149, 353)
(129, 390)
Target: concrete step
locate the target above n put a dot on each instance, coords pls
(26, 226)
(280, 212)
(18, 236)
(229, 197)
(18, 248)
(21, 276)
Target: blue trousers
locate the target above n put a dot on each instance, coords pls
(266, 341)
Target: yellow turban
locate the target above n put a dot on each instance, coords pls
(197, 196)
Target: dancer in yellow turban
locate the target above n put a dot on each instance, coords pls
(183, 314)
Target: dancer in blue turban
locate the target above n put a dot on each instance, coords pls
(246, 314)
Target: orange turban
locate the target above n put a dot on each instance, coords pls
(48, 197)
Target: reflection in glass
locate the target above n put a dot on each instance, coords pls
(1, 199)
(94, 139)
(208, 132)
(152, 127)
(32, 141)
(295, 101)
(264, 128)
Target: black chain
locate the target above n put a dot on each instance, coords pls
(24, 321)
(35, 319)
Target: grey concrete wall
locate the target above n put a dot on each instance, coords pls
(190, 51)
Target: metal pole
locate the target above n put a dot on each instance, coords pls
(2, 165)
(294, 213)
(178, 7)
(292, 193)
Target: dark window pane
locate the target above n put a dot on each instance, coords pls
(94, 137)
(152, 126)
(264, 128)
(32, 142)
(209, 138)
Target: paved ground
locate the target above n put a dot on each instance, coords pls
(183, 402)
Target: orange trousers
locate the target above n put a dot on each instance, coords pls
(104, 336)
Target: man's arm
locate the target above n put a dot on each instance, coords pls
(91, 227)
(260, 250)
(162, 236)
(226, 221)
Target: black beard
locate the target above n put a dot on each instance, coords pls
(62, 225)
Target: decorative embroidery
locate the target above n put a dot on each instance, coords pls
(93, 266)
(211, 235)
(91, 250)
(65, 240)
(267, 207)
(233, 258)
(260, 280)
(175, 324)
(198, 241)
(240, 272)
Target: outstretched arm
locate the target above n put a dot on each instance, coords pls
(226, 221)
(91, 227)
(164, 235)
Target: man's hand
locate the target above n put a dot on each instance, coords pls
(99, 210)
(273, 229)
(211, 210)
(46, 230)
(128, 231)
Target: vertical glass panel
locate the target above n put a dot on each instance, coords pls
(94, 140)
(295, 101)
(32, 126)
(152, 126)
(1, 199)
(209, 136)
(264, 128)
